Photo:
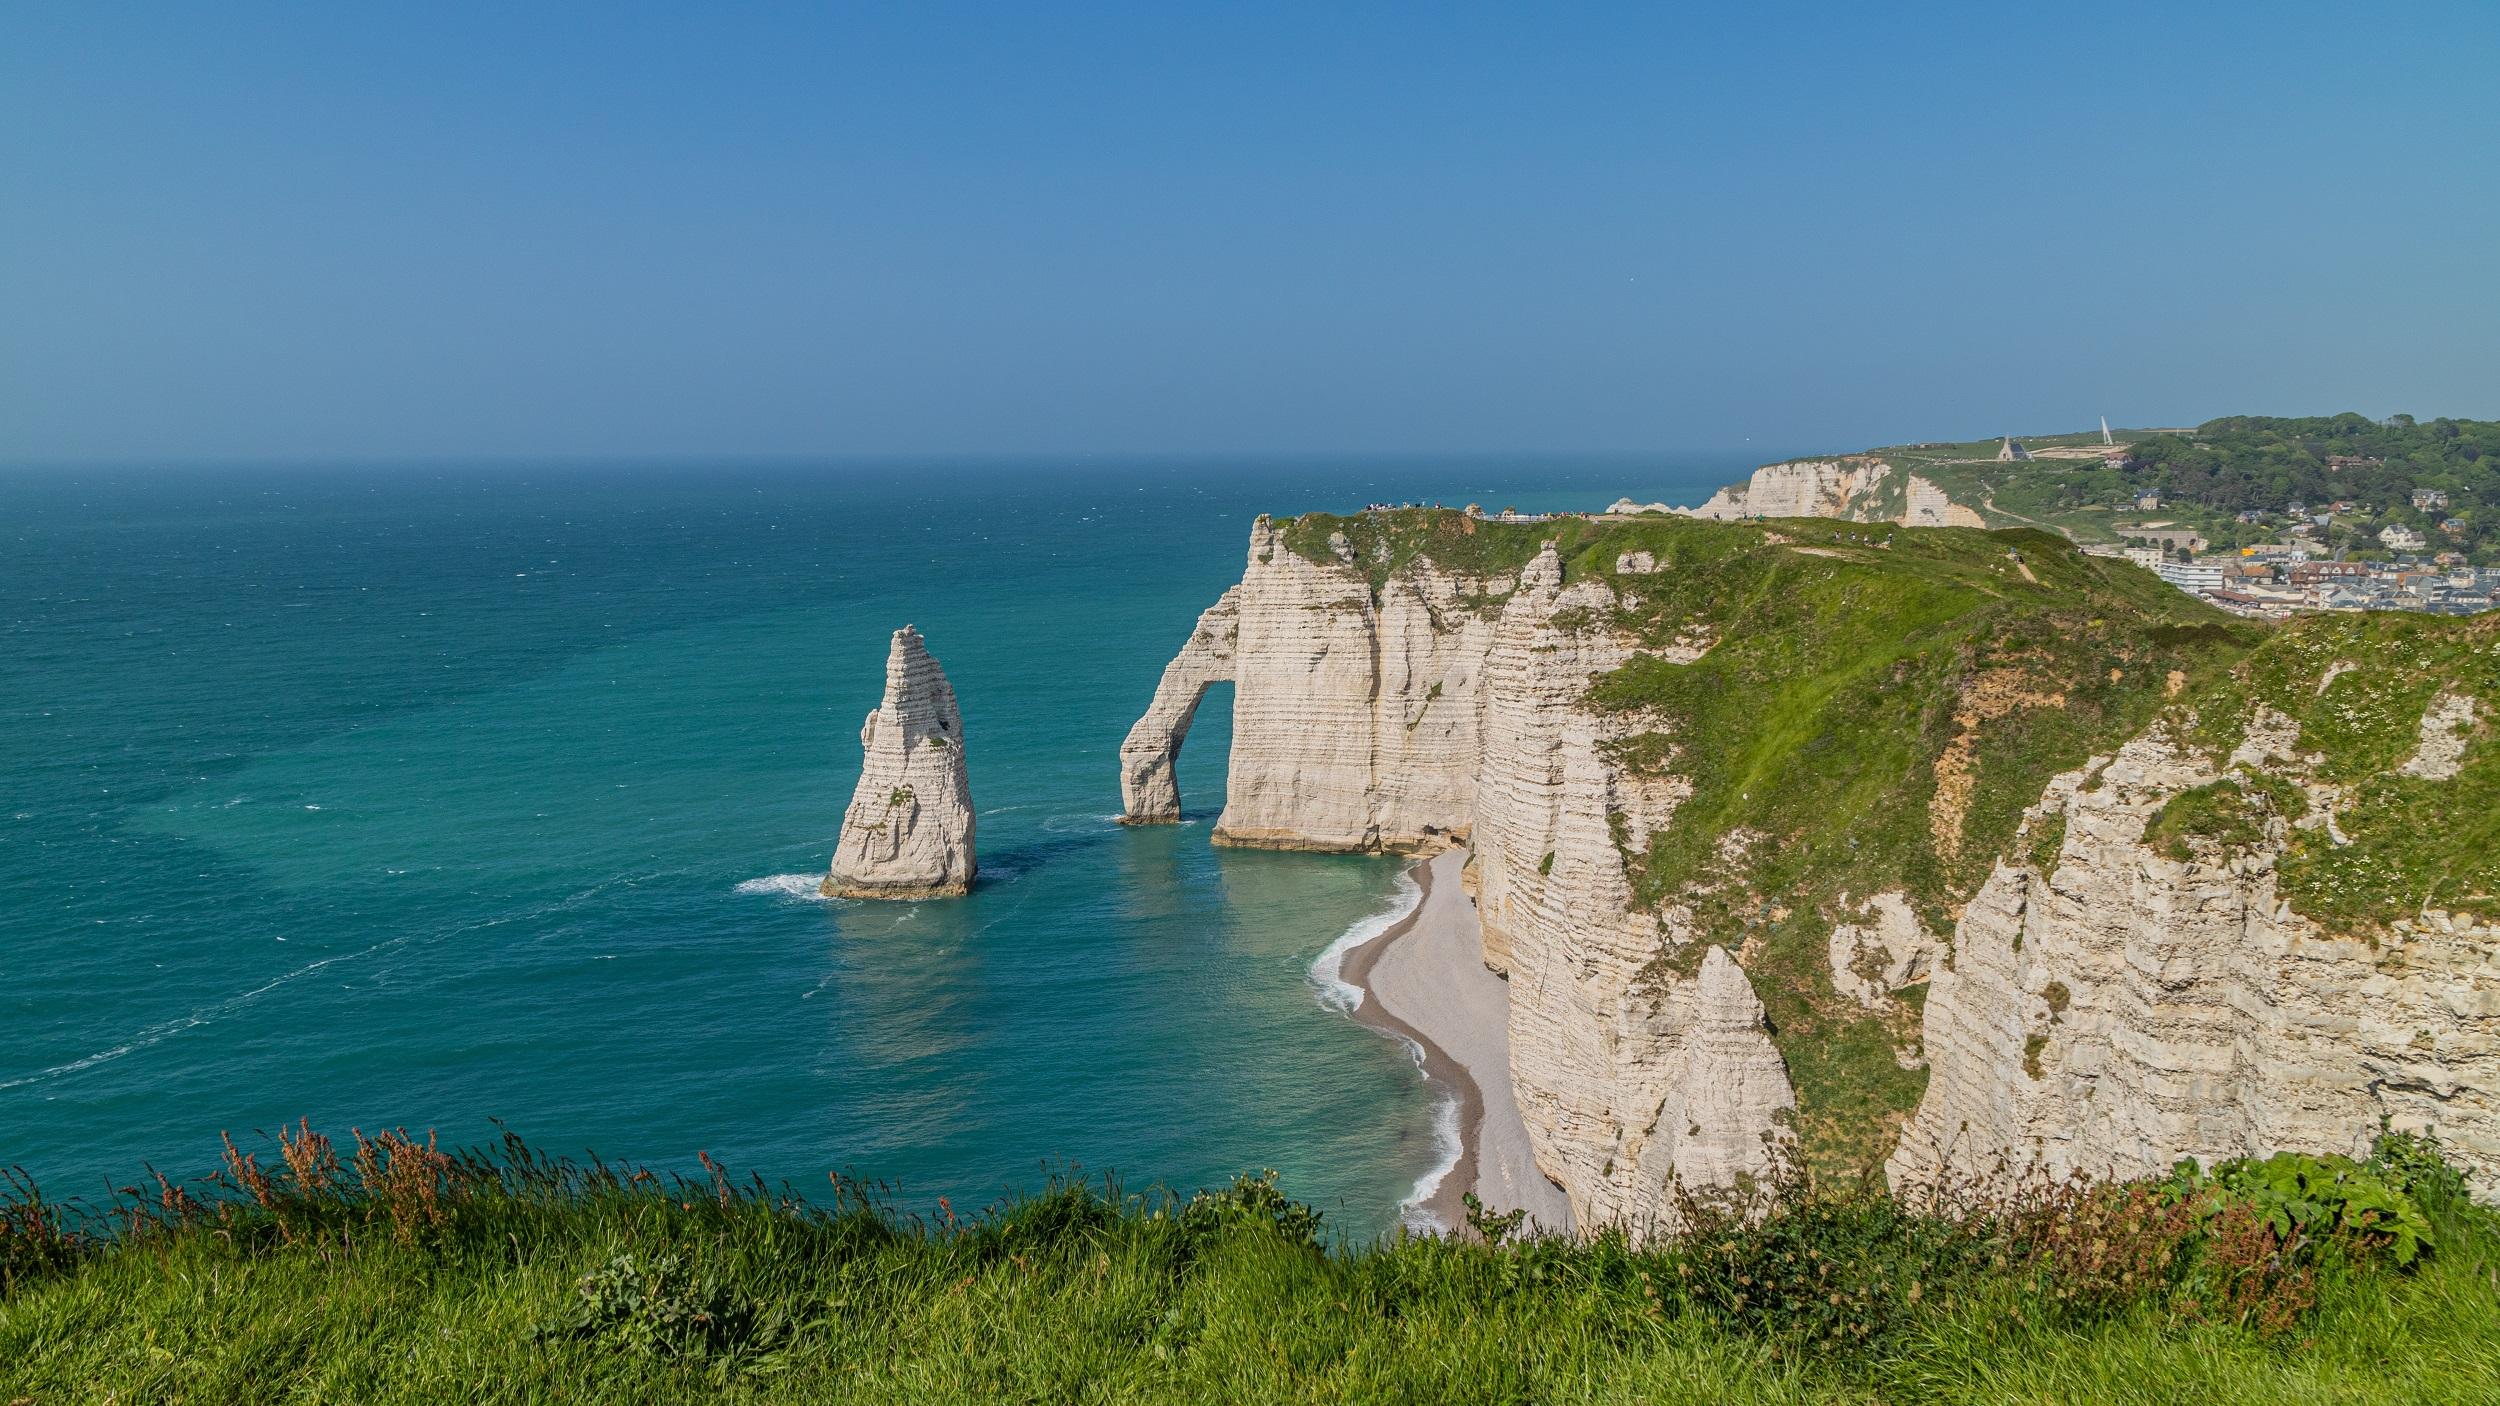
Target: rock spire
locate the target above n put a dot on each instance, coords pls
(908, 833)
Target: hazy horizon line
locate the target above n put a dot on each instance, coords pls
(802, 458)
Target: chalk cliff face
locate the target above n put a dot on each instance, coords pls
(1430, 707)
(1610, 1048)
(1813, 488)
(1854, 490)
(2100, 999)
(2123, 1007)
(1149, 793)
(908, 832)
(1927, 506)
(1354, 717)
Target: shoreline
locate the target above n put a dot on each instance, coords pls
(1355, 969)
(1423, 981)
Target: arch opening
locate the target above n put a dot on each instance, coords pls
(1150, 791)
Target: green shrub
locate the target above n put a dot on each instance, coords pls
(660, 1306)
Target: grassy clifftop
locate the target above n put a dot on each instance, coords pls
(1878, 707)
(1383, 544)
(1876, 710)
(2391, 719)
(397, 1273)
(2206, 476)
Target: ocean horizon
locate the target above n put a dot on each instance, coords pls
(458, 797)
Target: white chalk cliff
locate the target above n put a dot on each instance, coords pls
(1857, 489)
(1446, 708)
(2122, 1008)
(1354, 720)
(908, 832)
(2106, 1014)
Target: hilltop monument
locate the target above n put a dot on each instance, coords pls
(908, 833)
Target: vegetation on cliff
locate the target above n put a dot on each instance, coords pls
(1382, 544)
(2413, 790)
(1880, 709)
(1876, 711)
(2205, 477)
(395, 1272)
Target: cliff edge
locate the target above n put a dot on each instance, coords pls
(1843, 841)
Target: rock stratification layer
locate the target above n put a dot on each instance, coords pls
(1150, 793)
(1414, 708)
(2126, 1005)
(1855, 490)
(908, 832)
(2210, 891)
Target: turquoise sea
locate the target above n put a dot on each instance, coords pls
(431, 797)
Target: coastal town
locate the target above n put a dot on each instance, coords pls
(2329, 556)
(2273, 580)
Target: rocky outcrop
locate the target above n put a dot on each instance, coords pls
(1885, 950)
(1150, 794)
(1432, 707)
(1729, 1115)
(1354, 714)
(2123, 1007)
(1927, 506)
(1841, 488)
(2439, 745)
(908, 832)
(1854, 490)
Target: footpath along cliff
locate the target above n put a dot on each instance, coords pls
(1757, 814)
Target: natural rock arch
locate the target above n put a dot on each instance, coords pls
(1150, 792)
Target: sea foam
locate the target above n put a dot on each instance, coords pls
(1338, 994)
(1449, 1145)
(1335, 992)
(799, 886)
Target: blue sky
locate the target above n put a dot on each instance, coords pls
(350, 231)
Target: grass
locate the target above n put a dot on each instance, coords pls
(1385, 543)
(418, 1276)
(1879, 710)
(2357, 687)
(2222, 818)
(1872, 718)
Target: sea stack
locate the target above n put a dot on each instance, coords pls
(908, 833)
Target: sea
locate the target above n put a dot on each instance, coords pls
(494, 796)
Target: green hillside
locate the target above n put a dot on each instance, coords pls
(394, 1273)
(1876, 714)
(2358, 687)
(2206, 477)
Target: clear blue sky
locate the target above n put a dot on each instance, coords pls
(347, 230)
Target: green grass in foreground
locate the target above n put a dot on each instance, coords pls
(411, 1275)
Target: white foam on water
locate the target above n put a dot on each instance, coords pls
(1338, 994)
(1073, 824)
(1335, 992)
(800, 886)
(164, 1030)
(1446, 1139)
